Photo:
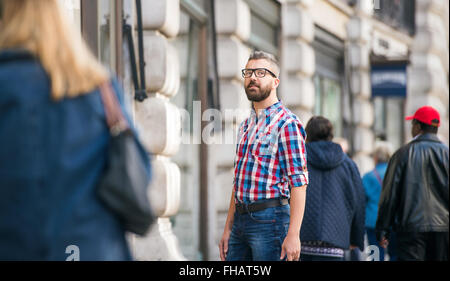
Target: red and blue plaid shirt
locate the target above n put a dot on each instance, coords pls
(270, 155)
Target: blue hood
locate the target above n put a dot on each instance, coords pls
(324, 155)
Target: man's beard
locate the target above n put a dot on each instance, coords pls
(257, 95)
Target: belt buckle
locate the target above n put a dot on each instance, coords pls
(240, 208)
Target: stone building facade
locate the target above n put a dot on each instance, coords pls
(328, 50)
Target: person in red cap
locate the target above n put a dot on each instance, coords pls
(414, 199)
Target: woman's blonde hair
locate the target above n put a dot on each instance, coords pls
(41, 27)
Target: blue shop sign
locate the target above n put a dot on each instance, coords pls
(389, 80)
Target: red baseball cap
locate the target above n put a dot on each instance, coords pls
(427, 115)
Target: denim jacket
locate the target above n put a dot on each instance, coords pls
(52, 155)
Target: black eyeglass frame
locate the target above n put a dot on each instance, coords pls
(255, 69)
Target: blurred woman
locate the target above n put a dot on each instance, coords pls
(53, 140)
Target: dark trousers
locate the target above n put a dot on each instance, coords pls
(422, 246)
(392, 247)
(372, 239)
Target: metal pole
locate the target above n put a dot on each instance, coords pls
(203, 93)
(89, 24)
(118, 15)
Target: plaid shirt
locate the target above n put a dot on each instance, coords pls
(270, 155)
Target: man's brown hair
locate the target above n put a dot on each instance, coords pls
(260, 55)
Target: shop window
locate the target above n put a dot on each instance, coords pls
(196, 94)
(186, 222)
(265, 25)
(400, 14)
(389, 120)
(101, 25)
(328, 100)
(329, 79)
(389, 89)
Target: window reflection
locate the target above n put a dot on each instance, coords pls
(389, 120)
(186, 221)
(328, 101)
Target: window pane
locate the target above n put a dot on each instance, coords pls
(186, 222)
(331, 103)
(328, 101)
(264, 30)
(389, 120)
(318, 100)
(265, 25)
(337, 108)
(398, 14)
(395, 121)
(379, 120)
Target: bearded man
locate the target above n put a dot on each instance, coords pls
(270, 173)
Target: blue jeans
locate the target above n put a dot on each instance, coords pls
(258, 236)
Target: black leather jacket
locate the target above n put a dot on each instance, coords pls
(415, 188)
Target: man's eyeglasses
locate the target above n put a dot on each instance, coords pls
(259, 72)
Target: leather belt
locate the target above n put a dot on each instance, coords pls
(243, 208)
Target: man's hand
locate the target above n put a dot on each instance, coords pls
(291, 248)
(384, 242)
(291, 244)
(223, 244)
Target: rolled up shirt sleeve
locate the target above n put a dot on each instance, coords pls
(292, 153)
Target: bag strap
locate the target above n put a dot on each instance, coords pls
(114, 115)
(377, 175)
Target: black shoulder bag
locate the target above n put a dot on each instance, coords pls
(124, 184)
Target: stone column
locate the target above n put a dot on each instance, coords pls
(358, 62)
(159, 123)
(233, 29)
(428, 72)
(298, 59)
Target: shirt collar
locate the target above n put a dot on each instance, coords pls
(416, 137)
(426, 137)
(268, 110)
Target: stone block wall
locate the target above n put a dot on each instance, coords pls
(358, 60)
(298, 61)
(159, 122)
(429, 70)
(233, 29)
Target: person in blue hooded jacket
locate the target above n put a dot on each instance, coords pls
(53, 140)
(373, 184)
(335, 208)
